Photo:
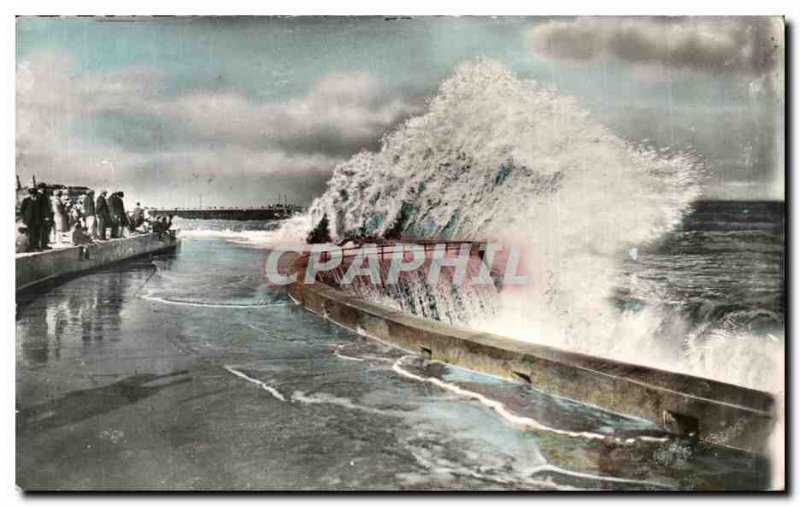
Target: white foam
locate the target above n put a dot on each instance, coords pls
(210, 305)
(496, 469)
(567, 472)
(516, 420)
(291, 231)
(275, 393)
(324, 398)
(347, 357)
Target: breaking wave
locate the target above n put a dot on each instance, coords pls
(501, 158)
(248, 233)
(505, 159)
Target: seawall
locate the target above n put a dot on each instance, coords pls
(698, 408)
(34, 268)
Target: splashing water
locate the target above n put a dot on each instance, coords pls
(500, 158)
(255, 234)
(505, 159)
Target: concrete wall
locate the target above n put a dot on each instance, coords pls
(33, 268)
(712, 411)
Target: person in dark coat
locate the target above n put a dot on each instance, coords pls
(125, 220)
(32, 218)
(116, 209)
(103, 214)
(118, 217)
(46, 212)
(88, 213)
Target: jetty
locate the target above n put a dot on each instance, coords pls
(37, 267)
(699, 409)
(275, 212)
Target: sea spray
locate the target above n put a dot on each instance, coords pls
(501, 158)
(496, 157)
(256, 234)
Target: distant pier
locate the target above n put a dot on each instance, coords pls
(278, 212)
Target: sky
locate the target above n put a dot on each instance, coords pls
(242, 110)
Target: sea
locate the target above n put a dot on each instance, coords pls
(188, 371)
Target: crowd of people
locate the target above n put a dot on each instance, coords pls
(53, 218)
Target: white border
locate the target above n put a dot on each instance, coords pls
(415, 7)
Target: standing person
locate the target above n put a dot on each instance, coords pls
(149, 219)
(138, 216)
(46, 212)
(113, 210)
(73, 214)
(103, 214)
(88, 213)
(158, 227)
(60, 216)
(125, 220)
(119, 219)
(32, 218)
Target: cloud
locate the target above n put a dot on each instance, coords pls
(122, 129)
(343, 113)
(53, 101)
(748, 47)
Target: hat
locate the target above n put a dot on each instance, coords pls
(41, 185)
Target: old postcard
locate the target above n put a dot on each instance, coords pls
(400, 253)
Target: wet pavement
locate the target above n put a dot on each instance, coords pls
(186, 372)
